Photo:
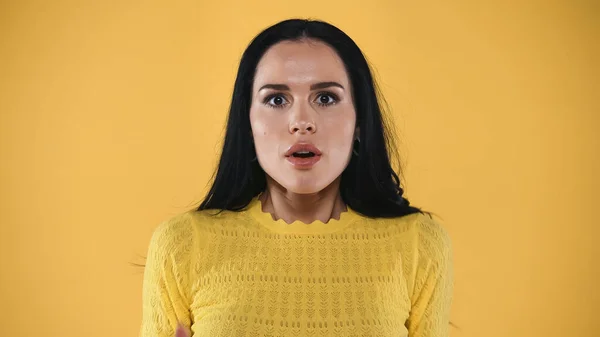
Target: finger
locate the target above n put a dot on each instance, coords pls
(182, 331)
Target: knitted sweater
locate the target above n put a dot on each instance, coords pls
(245, 274)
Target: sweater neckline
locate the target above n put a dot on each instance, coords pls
(299, 227)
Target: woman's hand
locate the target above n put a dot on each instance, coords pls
(182, 331)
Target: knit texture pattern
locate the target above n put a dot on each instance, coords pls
(235, 274)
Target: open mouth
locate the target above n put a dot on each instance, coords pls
(303, 154)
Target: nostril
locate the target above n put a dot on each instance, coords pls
(303, 128)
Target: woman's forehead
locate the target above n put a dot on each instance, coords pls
(300, 62)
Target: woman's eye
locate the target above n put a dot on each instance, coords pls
(275, 101)
(326, 99)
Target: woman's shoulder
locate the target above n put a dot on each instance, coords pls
(183, 230)
(421, 238)
(174, 231)
(192, 222)
(421, 228)
(410, 222)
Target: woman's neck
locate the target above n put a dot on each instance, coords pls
(282, 204)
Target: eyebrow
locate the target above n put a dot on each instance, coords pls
(320, 85)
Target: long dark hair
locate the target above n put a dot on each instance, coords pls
(368, 185)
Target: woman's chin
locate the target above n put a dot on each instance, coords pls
(302, 188)
(305, 185)
(303, 182)
(301, 185)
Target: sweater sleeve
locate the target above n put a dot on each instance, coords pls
(432, 283)
(166, 286)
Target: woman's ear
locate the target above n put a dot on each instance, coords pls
(356, 133)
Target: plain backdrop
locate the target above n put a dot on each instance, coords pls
(112, 114)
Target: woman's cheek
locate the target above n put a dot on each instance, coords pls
(266, 143)
(340, 132)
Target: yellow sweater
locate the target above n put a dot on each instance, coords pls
(244, 274)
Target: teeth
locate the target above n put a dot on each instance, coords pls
(303, 154)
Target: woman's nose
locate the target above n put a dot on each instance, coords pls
(302, 120)
(303, 126)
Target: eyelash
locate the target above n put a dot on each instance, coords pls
(330, 94)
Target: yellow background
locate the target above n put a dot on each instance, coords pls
(111, 113)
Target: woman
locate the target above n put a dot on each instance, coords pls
(305, 231)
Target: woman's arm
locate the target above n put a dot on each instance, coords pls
(166, 295)
(432, 281)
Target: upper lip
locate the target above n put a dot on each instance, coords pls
(302, 147)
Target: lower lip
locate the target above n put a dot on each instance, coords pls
(303, 163)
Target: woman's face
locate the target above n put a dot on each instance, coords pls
(302, 116)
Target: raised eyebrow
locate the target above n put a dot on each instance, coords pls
(316, 86)
(282, 87)
(323, 85)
